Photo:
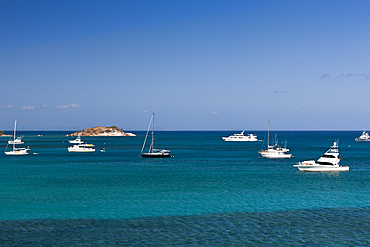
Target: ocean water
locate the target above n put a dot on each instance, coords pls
(212, 193)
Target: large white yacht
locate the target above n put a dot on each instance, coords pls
(274, 152)
(241, 138)
(329, 162)
(364, 137)
(82, 148)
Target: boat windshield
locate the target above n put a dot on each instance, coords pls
(328, 156)
(325, 163)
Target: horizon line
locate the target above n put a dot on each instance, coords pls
(197, 130)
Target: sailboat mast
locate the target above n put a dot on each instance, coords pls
(268, 135)
(15, 128)
(153, 135)
(146, 136)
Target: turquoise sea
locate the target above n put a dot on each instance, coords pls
(212, 193)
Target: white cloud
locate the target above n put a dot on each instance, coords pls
(27, 107)
(45, 105)
(67, 106)
(6, 106)
(215, 112)
(62, 106)
(145, 111)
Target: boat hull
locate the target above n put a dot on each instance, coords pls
(271, 153)
(15, 142)
(76, 142)
(81, 150)
(227, 139)
(156, 155)
(362, 140)
(18, 152)
(309, 168)
(312, 166)
(276, 156)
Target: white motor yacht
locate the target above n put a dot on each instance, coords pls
(241, 138)
(82, 148)
(77, 140)
(364, 137)
(17, 140)
(329, 162)
(274, 152)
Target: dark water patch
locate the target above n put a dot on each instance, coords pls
(319, 227)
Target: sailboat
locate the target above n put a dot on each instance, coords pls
(17, 151)
(275, 151)
(154, 153)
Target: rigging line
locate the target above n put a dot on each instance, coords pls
(146, 134)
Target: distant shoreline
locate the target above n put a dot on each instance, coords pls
(130, 131)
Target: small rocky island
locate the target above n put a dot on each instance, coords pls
(2, 133)
(102, 131)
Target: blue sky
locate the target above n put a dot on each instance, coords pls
(199, 65)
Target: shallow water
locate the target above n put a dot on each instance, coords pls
(211, 193)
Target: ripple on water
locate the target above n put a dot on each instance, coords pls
(319, 227)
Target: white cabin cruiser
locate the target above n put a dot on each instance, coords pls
(241, 138)
(17, 140)
(82, 148)
(365, 137)
(77, 140)
(329, 162)
(274, 152)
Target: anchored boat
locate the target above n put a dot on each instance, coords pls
(274, 152)
(365, 137)
(329, 162)
(14, 142)
(154, 153)
(82, 148)
(240, 138)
